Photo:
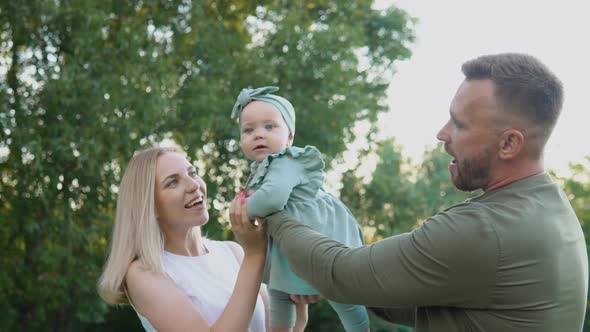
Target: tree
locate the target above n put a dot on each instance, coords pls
(383, 204)
(84, 84)
(435, 189)
(577, 188)
(398, 196)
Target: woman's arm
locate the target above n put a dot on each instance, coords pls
(239, 254)
(167, 308)
(266, 301)
(300, 301)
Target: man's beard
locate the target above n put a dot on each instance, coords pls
(472, 174)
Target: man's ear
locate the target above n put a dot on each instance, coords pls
(511, 143)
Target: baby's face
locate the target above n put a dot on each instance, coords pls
(263, 131)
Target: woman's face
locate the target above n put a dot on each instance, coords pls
(181, 195)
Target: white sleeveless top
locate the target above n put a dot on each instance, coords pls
(209, 281)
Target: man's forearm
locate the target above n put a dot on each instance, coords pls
(402, 316)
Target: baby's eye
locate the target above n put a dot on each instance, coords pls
(248, 130)
(268, 127)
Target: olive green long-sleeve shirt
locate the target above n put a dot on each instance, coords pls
(512, 259)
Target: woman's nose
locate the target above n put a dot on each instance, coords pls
(193, 186)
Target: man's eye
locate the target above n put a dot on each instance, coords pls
(194, 174)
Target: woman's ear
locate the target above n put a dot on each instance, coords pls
(511, 143)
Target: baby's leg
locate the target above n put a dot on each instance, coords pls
(282, 311)
(354, 318)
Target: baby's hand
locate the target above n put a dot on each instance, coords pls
(243, 194)
(251, 237)
(243, 190)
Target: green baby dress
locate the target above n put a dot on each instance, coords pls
(292, 179)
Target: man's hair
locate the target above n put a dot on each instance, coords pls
(523, 86)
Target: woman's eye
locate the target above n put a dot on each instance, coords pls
(171, 183)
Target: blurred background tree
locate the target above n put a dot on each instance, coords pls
(83, 84)
(577, 188)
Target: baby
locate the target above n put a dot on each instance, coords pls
(283, 176)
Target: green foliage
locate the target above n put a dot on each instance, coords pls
(83, 84)
(391, 202)
(435, 191)
(399, 196)
(396, 198)
(577, 188)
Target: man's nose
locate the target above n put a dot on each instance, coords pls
(442, 134)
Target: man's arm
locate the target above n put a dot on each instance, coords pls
(450, 260)
(399, 316)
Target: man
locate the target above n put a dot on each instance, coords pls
(512, 259)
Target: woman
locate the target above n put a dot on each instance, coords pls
(175, 279)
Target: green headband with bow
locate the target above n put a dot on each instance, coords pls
(264, 94)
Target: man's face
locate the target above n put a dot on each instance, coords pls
(470, 135)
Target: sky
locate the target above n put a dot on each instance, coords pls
(452, 31)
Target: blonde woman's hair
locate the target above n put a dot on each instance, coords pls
(136, 233)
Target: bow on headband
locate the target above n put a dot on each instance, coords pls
(264, 94)
(247, 95)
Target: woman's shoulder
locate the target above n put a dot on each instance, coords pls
(136, 268)
(142, 283)
(236, 250)
(139, 272)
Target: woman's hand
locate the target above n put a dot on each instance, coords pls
(251, 236)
